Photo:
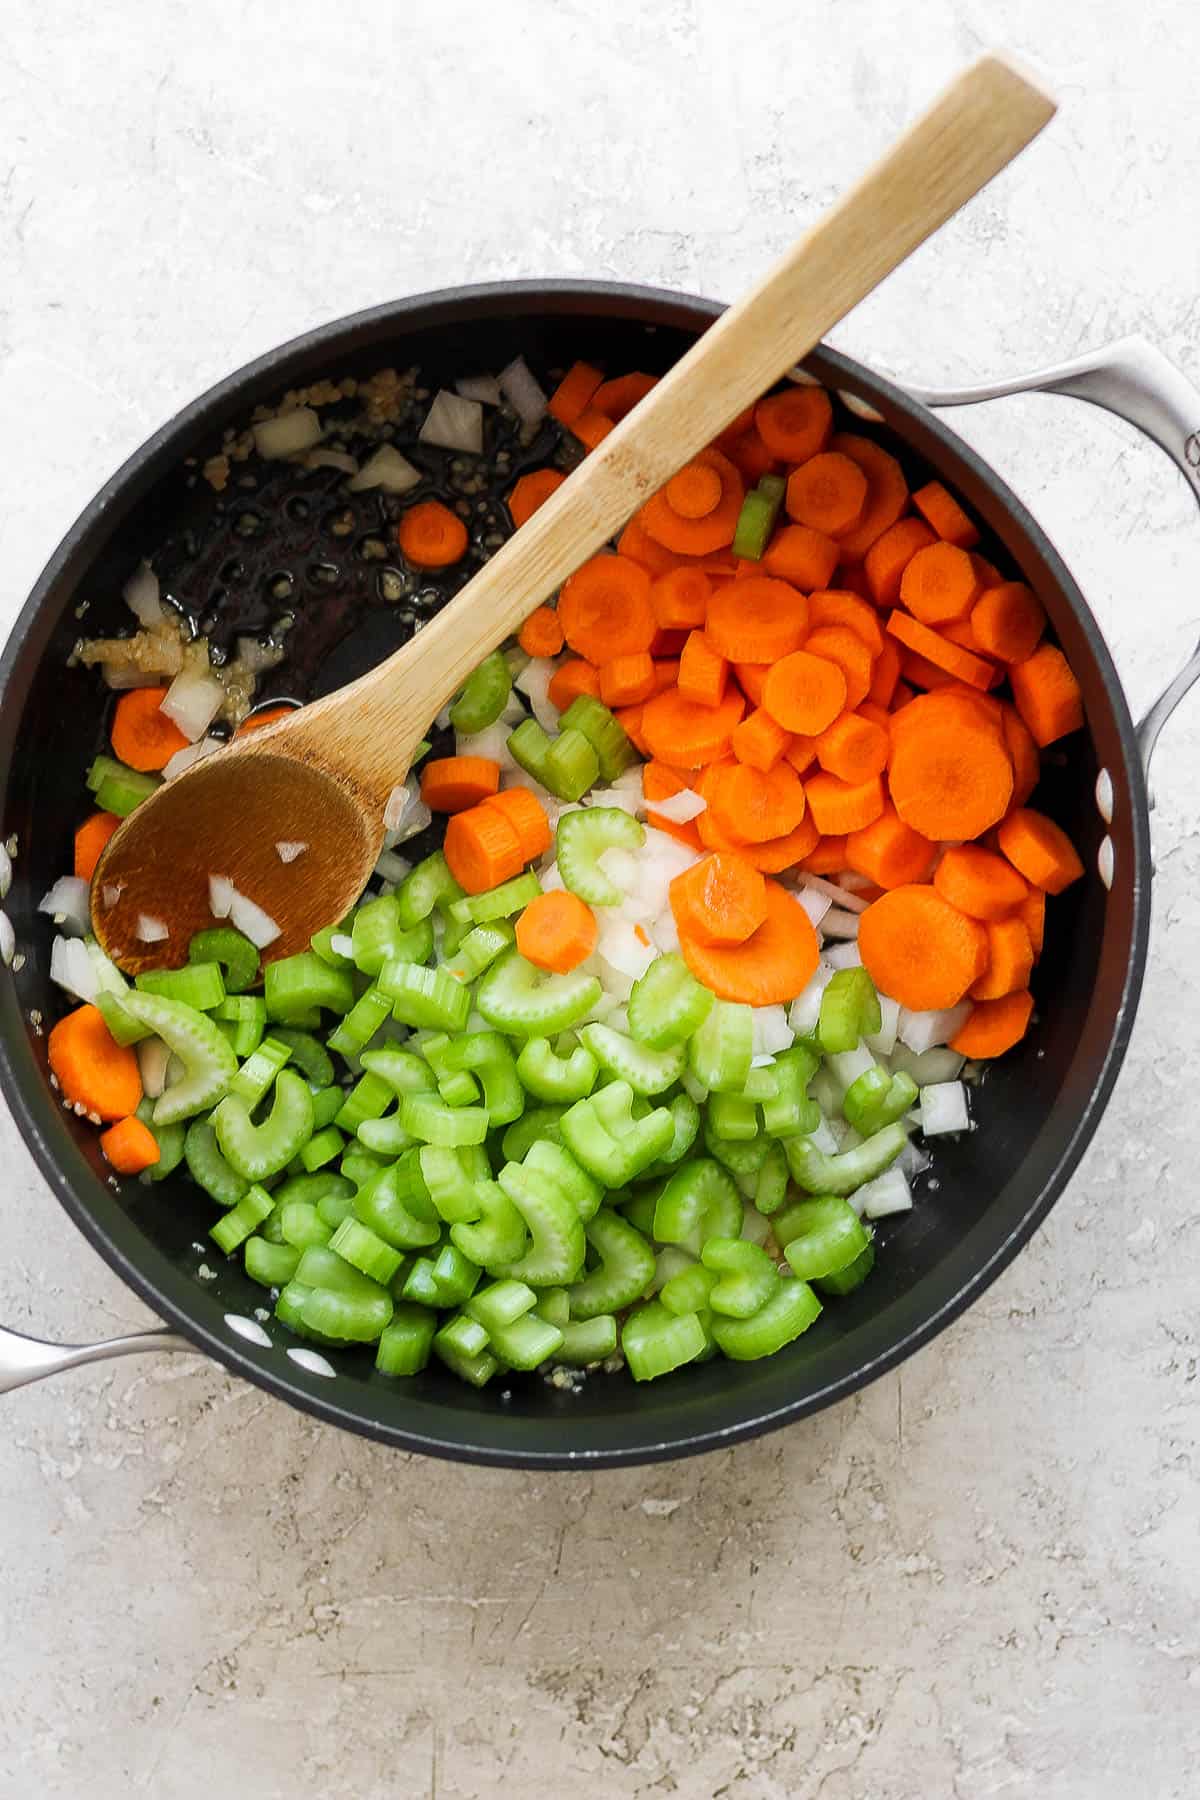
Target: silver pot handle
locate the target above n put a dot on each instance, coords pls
(25, 1359)
(1137, 382)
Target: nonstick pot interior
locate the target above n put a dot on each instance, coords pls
(1036, 1109)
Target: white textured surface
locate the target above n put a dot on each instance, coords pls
(980, 1578)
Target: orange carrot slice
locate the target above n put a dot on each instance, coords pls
(557, 931)
(994, 1027)
(604, 609)
(1039, 850)
(143, 737)
(430, 536)
(919, 949)
(773, 965)
(719, 901)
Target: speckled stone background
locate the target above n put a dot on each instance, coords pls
(981, 1577)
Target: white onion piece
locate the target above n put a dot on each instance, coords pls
(772, 1032)
(141, 595)
(625, 799)
(823, 1139)
(622, 950)
(921, 1031)
(416, 819)
(755, 1225)
(814, 904)
(681, 807)
(491, 742)
(534, 682)
(912, 1160)
(253, 922)
(153, 1059)
(664, 931)
(842, 956)
(840, 896)
(8, 939)
(73, 969)
(400, 803)
(151, 930)
(838, 923)
(342, 944)
(883, 1041)
(453, 423)
(888, 1193)
(111, 892)
(523, 392)
(552, 882)
(191, 753)
(287, 853)
(944, 1108)
(621, 866)
(331, 459)
(391, 867)
(120, 680)
(805, 1009)
(388, 470)
(193, 701)
(67, 903)
(484, 388)
(288, 435)
(220, 896)
(935, 1065)
(847, 1065)
(5, 871)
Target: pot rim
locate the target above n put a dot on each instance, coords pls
(24, 1084)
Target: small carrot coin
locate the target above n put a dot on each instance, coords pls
(430, 536)
(828, 493)
(804, 693)
(143, 737)
(919, 949)
(773, 965)
(557, 931)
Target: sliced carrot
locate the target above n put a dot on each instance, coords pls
(780, 853)
(960, 664)
(958, 631)
(773, 965)
(752, 679)
(949, 775)
(938, 505)
(919, 949)
(430, 536)
(986, 573)
(571, 679)
(804, 693)
(591, 427)
(853, 748)
(801, 752)
(759, 741)
(636, 543)
(130, 1146)
(680, 599)
(1010, 960)
(143, 737)
(1032, 913)
(90, 840)
(557, 931)
(828, 493)
(574, 393)
(889, 852)
(659, 782)
(878, 715)
(604, 609)
(93, 1071)
(939, 584)
(838, 644)
(1040, 850)
(703, 671)
(694, 491)
(827, 856)
(885, 674)
(720, 901)
(748, 453)
(852, 579)
(679, 732)
(531, 491)
(482, 848)
(921, 673)
(627, 680)
(450, 784)
(757, 620)
(620, 396)
(1047, 694)
(887, 491)
(836, 606)
(257, 721)
(795, 424)
(889, 556)
(629, 718)
(542, 633)
(805, 557)
(839, 807)
(527, 816)
(951, 705)
(979, 883)
(666, 671)
(698, 536)
(751, 806)
(1008, 621)
(994, 1027)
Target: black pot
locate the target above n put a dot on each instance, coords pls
(1039, 1105)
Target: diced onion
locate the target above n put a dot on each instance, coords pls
(883, 1041)
(399, 803)
(220, 896)
(534, 682)
(847, 1065)
(838, 923)
(288, 852)
(253, 922)
(388, 470)
(67, 903)
(935, 1065)
(681, 807)
(621, 866)
(913, 1160)
(151, 930)
(331, 459)
(484, 388)
(415, 821)
(823, 1139)
(341, 944)
(491, 742)
(814, 904)
(663, 929)
(5, 871)
(840, 896)
(289, 434)
(944, 1108)
(842, 956)
(191, 753)
(625, 799)
(73, 969)
(771, 1030)
(523, 392)
(111, 892)
(153, 1059)
(621, 949)
(193, 701)
(805, 1009)
(391, 867)
(888, 1193)
(921, 1031)
(8, 940)
(141, 595)
(453, 423)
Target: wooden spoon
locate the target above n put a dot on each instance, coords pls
(323, 776)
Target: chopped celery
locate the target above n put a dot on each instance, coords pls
(581, 839)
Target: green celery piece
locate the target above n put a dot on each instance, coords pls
(406, 1342)
(241, 1221)
(301, 1224)
(426, 998)
(582, 837)
(233, 950)
(792, 1308)
(602, 1134)
(748, 1277)
(790, 1113)
(587, 1341)
(307, 1052)
(484, 695)
(583, 1191)
(667, 1004)
(366, 1251)
(499, 1236)
(689, 1290)
(294, 985)
(197, 984)
(430, 884)
(699, 1198)
(209, 1167)
(647, 1071)
(535, 1122)
(548, 1076)
(771, 1181)
(208, 1059)
(819, 1173)
(722, 1048)
(498, 902)
(258, 1151)
(557, 1248)
(487, 1055)
(476, 1370)
(527, 1343)
(524, 1001)
(397, 1209)
(756, 521)
(271, 1265)
(655, 1341)
(479, 949)
(623, 1273)
(500, 1303)
(829, 1236)
(604, 732)
(849, 1011)
(732, 1118)
(851, 1277)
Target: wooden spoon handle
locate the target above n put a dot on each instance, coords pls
(981, 121)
